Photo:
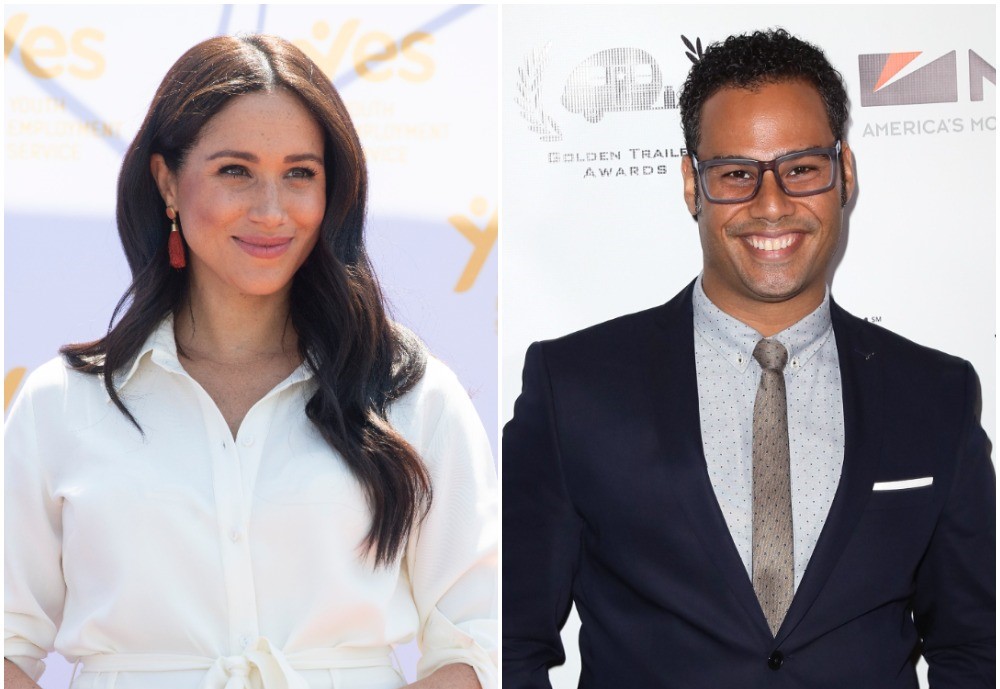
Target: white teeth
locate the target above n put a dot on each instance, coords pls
(770, 244)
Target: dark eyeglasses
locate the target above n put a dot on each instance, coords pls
(736, 180)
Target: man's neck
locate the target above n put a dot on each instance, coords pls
(767, 318)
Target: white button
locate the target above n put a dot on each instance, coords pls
(245, 641)
(235, 535)
(248, 440)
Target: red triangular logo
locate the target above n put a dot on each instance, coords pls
(895, 63)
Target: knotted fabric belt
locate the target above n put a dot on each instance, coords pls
(260, 666)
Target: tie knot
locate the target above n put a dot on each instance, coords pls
(771, 355)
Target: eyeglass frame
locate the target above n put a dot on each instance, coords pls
(762, 167)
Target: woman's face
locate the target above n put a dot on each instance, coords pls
(250, 195)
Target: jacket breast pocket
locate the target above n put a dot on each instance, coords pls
(900, 499)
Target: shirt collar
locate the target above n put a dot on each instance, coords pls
(160, 348)
(735, 340)
(163, 349)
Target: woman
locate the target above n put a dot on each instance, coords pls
(233, 488)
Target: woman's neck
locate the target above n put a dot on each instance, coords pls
(235, 329)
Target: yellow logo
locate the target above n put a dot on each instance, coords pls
(11, 382)
(482, 238)
(376, 56)
(47, 53)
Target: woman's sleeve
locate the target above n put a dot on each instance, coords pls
(452, 559)
(34, 588)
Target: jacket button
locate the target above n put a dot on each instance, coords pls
(775, 660)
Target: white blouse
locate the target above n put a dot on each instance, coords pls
(180, 558)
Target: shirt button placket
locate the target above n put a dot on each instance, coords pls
(233, 511)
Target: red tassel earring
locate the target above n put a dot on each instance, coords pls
(175, 246)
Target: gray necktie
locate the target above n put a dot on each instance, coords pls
(773, 565)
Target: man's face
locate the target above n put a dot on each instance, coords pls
(767, 258)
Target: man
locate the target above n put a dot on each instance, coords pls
(747, 486)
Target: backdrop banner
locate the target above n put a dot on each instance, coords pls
(594, 221)
(419, 82)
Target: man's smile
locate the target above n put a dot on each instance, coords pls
(773, 245)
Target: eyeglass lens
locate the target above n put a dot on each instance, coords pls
(798, 175)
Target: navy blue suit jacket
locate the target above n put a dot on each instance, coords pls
(608, 504)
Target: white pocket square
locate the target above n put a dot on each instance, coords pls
(904, 484)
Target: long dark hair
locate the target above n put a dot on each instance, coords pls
(361, 360)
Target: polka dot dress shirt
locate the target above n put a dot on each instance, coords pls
(728, 377)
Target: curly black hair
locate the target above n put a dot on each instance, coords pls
(752, 60)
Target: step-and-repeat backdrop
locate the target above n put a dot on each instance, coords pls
(419, 81)
(594, 223)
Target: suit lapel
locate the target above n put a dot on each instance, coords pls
(862, 398)
(674, 402)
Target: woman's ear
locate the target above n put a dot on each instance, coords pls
(166, 181)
